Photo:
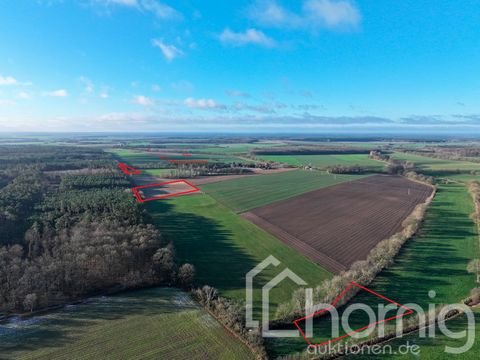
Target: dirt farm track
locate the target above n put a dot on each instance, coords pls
(339, 225)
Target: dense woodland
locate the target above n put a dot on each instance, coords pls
(70, 227)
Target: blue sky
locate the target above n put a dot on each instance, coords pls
(247, 65)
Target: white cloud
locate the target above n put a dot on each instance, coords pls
(156, 88)
(202, 103)
(270, 13)
(123, 118)
(143, 100)
(238, 93)
(157, 8)
(8, 80)
(160, 10)
(58, 93)
(122, 2)
(6, 102)
(170, 52)
(87, 84)
(314, 14)
(260, 108)
(250, 36)
(24, 95)
(104, 92)
(182, 86)
(333, 13)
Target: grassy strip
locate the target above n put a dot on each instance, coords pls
(431, 165)
(135, 157)
(434, 348)
(223, 247)
(437, 258)
(324, 161)
(151, 324)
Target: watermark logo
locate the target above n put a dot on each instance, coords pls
(286, 273)
(428, 322)
(376, 321)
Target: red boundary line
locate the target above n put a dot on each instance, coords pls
(336, 300)
(140, 199)
(128, 170)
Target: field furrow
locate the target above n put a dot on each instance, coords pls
(343, 222)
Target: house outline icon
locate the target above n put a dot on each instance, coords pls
(285, 274)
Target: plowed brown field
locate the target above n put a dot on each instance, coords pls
(339, 225)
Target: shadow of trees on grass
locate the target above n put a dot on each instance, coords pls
(197, 239)
(206, 244)
(435, 259)
(65, 326)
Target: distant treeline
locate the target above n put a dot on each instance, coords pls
(161, 164)
(191, 172)
(350, 169)
(49, 158)
(363, 139)
(399, 167)
(471, 153)
(204, 140)
(308, 150)
(216, 169)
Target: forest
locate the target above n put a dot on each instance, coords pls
(69, 227)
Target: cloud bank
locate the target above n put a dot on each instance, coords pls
(313, 14)
(249, 36)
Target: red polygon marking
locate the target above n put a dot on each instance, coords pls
(140, 199)
(336, 300)
(128, 170)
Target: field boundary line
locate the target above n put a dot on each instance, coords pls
(344, 181)
(476, 216)
(333, 305)
(141, 199)
(233, 333)
(392, 337)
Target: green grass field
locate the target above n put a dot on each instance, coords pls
(250, 192)
(324, 161)
(434, 348)
(239, 148)
(135, 157)
(463, 178)
(223, 247)
(157, 172)
(138, 157)
(147, 324)
(432, 165)
(435, 259)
